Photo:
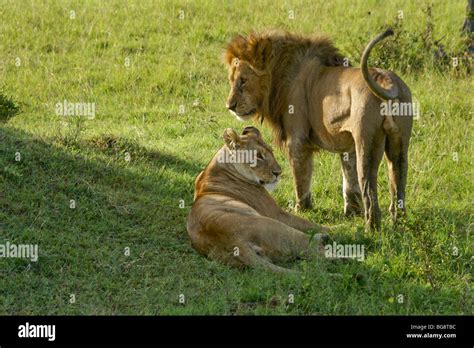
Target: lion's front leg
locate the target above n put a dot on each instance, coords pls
(301, 162)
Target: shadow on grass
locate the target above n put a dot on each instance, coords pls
(30, 165)
(84, 206)
(8, 108)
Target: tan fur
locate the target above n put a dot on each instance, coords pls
(235, 220)
(299, 86)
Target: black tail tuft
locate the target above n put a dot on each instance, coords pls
(388, 32)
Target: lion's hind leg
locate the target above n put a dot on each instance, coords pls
(252, 255)
(241, 253)
(350, 185)
(396, 152)
(276, 241)
(261, 241)
(241, 237)
(369, 151)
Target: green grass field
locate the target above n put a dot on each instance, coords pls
(159, 88)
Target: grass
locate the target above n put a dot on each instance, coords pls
(131, 167)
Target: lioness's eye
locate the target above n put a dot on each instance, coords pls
(260, 156)
(242, 82)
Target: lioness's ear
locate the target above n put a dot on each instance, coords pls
(261, 50)
(231, 139)
(251, 130)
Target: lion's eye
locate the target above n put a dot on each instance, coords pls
(260, 156)
(242, 82)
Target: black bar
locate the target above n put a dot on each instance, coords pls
(225, 330)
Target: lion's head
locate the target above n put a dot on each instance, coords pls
(251, 157)
(261, 67)
(247, 59)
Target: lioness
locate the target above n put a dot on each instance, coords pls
(302, 89)
(234, 219)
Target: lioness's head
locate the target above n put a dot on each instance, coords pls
(247, 58)
(251, 157)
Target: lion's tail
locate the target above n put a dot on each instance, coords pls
(389, 124)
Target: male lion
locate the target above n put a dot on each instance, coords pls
(302, 89)
(235, 220)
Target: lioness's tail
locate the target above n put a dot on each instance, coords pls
(389, 124)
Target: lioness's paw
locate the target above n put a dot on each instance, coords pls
(321, 238)
(320, 241)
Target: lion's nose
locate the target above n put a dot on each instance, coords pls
(276, 172)
(232, 105)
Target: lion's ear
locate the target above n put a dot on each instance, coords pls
(231, 139)
(235, 49)
(251, 130)
(261, 51)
